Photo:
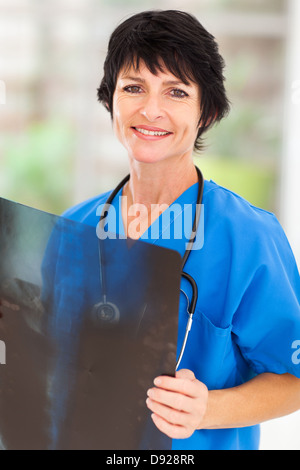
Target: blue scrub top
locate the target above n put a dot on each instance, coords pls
(247, 317)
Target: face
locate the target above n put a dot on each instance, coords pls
(155, 117)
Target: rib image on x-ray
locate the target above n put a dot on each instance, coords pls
(87, 325)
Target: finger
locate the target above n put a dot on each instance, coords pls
(171, 430)
(179, 385)
(185, 374)
(170, 415)
(175, 400)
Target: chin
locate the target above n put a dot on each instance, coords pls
(146, 156)
(148, 153)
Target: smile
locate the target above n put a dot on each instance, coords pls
(154, 132)
(145, 132)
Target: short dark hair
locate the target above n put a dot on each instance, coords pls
(177, 41)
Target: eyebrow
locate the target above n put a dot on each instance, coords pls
(142, 80)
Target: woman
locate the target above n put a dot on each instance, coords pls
(163, 86)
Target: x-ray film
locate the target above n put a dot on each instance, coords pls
(85, 326)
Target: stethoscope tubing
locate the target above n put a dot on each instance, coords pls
(188, 277)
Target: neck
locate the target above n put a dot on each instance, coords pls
(159, 183)
(150, 190)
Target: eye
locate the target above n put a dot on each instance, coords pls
(177, 93)
(134, 89)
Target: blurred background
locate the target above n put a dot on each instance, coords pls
(56, 142)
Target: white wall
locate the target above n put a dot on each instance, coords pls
(290, 168)
(284, 433)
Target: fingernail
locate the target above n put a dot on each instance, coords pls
(157, 381)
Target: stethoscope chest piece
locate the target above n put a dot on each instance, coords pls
(105, 314)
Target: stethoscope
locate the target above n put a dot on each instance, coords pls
(107, 312)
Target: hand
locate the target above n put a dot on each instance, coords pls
(178, 404)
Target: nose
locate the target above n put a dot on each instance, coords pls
(152, 108)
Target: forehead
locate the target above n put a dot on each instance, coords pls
(161, 73)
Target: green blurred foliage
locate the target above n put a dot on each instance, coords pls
(247, 133)
(251, 130)
(242, 151)
(36, 167)
(251, 181)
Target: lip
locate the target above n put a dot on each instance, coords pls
(150, 128)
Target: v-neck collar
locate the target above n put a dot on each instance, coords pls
(162, 224)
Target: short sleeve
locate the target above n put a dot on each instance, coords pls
(266, 324)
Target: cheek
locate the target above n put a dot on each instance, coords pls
(121, 126)
(187, 119)
(118, 120)
(189, 129)
(121, 113)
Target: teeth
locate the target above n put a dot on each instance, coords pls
(145, 132)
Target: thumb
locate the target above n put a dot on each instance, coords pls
(185, 374)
